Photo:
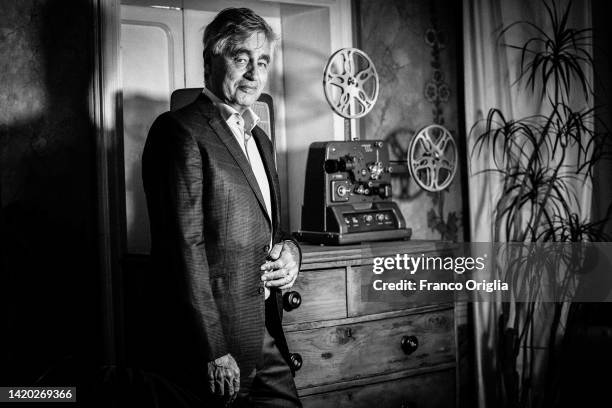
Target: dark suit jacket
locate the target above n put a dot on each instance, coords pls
(210, 234)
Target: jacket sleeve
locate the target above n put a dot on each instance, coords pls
(172, 174)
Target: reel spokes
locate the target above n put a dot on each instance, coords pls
(432, 158)
(350, 83)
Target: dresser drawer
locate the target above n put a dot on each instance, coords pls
(364, 348)
(323, 294)
(362, 299)
(435, 390)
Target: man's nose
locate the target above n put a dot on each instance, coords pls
(251, 72)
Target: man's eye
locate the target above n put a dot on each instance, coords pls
(241, 60)
(263, 64)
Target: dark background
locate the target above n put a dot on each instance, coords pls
(51, 319)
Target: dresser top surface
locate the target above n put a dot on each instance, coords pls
(322, 253)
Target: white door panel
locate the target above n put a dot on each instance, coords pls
(152, 67)
(141, 21)
(195, 23)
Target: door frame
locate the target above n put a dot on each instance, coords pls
(105, 103)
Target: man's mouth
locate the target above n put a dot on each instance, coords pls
(247, 88)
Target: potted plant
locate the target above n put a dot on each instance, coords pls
(540, 159)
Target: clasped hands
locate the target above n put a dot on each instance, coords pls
(281, 271)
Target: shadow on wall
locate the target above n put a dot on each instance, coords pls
(139, 113)
(50, 279)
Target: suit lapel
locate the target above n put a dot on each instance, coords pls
(269, 165)
(227, 137)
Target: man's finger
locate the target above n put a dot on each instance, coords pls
(290, 284)
(277, 274)
(276, 251)
(288, 270)
(211, 385)
(236, 388)
(292, 279)
(270, 266)
(279, 282)
(282, 262)
(229, 387)
(237, 384)
(219, 380)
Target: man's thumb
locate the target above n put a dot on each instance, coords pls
(276, 251)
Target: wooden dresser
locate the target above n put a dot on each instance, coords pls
(354, 352)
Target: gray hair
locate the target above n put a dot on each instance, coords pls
(231, 27)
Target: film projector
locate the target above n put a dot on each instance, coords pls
(347, 194)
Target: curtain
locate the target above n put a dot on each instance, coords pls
(490, 75)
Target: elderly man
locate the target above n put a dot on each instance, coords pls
(220, 257)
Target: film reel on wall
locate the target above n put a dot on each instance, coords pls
(351, 86)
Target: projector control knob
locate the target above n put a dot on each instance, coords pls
(384, 191)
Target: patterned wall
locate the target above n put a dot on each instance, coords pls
(414, 49)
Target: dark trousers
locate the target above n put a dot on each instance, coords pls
(273, 384)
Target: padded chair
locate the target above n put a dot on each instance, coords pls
(264, 108)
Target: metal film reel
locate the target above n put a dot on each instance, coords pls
(350, 83)
(432, 158)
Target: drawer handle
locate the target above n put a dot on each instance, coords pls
(409, 344)
(296, 360)
(291, 300)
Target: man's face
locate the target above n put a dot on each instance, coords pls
(238, 79)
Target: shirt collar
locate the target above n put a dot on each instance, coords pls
(250, 118)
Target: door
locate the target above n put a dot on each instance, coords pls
(152, 66)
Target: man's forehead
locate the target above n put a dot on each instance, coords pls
(256, 42)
